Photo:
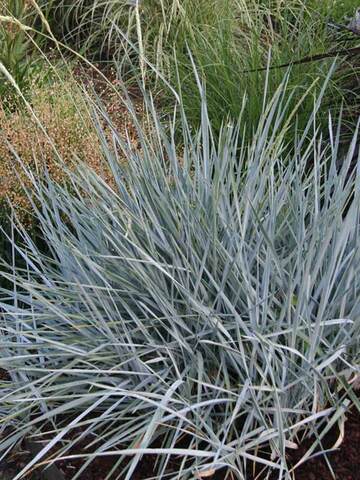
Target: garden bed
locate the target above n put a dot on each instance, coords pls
(345, 461)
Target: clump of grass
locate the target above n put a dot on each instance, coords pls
(211, 298)
(232, 55)
(90, 26)
(16, 53)
(231, 43)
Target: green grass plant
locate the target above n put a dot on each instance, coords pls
(231, 42)
(16, 53)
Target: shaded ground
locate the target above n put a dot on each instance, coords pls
(345, 461)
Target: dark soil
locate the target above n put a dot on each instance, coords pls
(344, 461)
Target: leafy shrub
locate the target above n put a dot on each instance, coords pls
(205, 307)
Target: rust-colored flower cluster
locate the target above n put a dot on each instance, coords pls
(59, 125)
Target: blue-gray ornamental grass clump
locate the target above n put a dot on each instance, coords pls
(213, 297)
